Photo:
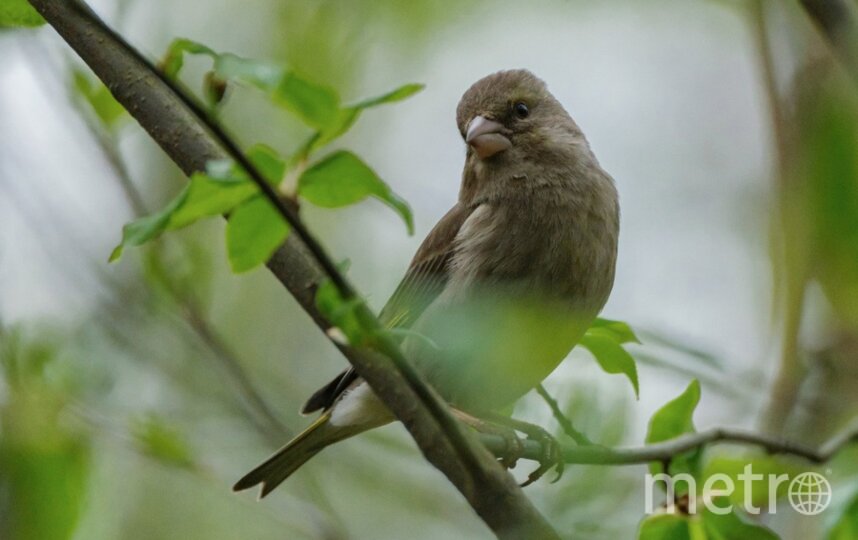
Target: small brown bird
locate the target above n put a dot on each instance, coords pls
(505, 285)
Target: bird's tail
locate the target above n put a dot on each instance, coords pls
(298, 451)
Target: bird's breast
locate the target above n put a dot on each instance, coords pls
(544, 245)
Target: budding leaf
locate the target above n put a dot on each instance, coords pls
(174, 59)
(342, 179)
(253, 233)
(214, 88)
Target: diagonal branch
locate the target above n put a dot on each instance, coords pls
(301, 265)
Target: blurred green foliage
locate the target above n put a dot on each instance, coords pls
(44, 457)
(705, 526)
(821, 200)
(157, 439)
(19, 13)
(99, 99)
(846, 528)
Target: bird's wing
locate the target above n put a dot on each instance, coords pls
(427, 273)
(423, 282)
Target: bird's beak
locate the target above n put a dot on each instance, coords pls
(484, 136)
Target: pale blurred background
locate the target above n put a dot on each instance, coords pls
(139, 414)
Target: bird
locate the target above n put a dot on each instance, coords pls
(504, 285)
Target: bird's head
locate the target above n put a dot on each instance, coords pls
(511, 115)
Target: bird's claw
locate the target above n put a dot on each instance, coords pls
(552, 456)
(508, 428)
(514, 448)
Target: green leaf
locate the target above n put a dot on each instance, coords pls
(140, 231)
(99, 98)
(603, 344)
(208, 196)
(318, 106)
(253, 233)
(19, 13)
(672, 420)
(174, 59)
(846, 527)
(676, 417)
(403, 92)
(664, 527)
(732, 527)
(263, 75)
(268, 162)
(213, 193)
(621, 331)
(349, 115)
(345, 120)
(342, 179)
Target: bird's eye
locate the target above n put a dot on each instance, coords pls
(520, 109)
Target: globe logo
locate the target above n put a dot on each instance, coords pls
(809, 493)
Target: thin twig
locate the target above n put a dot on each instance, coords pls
(666, 451)
(562, 419)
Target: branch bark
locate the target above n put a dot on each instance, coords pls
(838, 23)
(183, 135)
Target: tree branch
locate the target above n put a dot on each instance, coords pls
(666, 451)
(300, 265)
(837, 22)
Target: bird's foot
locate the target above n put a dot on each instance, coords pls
(513, 447)
(552, 455)
(495, 424)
